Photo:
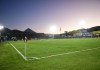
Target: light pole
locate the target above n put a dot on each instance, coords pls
(53, 29)
(82, 24)
(1, 27)
(60, 31)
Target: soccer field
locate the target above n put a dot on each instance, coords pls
(53, 54)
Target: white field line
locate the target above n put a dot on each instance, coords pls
(68, 53)
(36, 58)
(25, 58)
(32, 58)
(18, 51)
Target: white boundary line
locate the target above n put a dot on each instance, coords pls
(68, 53)
(24, 57)
(36, 58)
(18, 52)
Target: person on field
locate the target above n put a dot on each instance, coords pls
(25, 39)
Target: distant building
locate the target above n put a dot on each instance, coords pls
(10, 34)
(96, 33)
(82, 33)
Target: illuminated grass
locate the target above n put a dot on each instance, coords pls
(89, 60)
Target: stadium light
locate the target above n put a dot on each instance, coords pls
(1, 27)
(82, 23)
(53, 29)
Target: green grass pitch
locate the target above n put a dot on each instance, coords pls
(87, 60)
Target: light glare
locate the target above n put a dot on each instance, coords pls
(1, 27)
(82, 22)
(53, 28)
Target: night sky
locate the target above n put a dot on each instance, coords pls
(39, 15)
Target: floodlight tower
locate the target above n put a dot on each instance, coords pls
(53, 29)
(82, 24)
(1, 27)
(60, 32)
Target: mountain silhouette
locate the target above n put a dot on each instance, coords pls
(96, 28)
(28, 30)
